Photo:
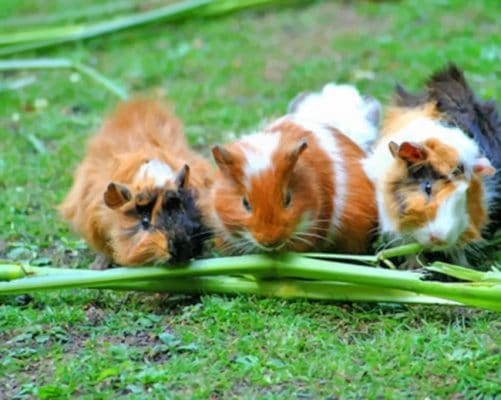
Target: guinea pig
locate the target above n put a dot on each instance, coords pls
(135, 194)
(428, 176)
(458, 106)
(298, 185)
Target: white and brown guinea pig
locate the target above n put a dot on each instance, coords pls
(298, 184)
(428, 176)
(134, 196)
(458, 106)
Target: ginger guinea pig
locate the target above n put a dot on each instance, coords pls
(134, 196)
(428, 176)
(298, 184)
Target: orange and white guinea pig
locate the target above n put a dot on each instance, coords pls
(428, 176)
(299, 184)
(134, 196)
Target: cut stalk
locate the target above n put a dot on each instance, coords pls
(53, 63)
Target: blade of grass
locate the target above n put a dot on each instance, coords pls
(54, 63)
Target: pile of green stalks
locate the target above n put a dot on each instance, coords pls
(101, 20)
(98, 23)
(332, 277)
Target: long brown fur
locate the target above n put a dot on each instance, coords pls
(139, 130)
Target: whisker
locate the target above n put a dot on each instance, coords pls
(303, 240)
(313, 235)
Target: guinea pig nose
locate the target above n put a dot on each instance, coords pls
(180, 250)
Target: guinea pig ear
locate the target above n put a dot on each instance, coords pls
(483, 167)
(393, 149)
(297, 150)
(227, 163)
(116, 195)
(291, 155)
(222, 156)
(408, 151)
(183, 177)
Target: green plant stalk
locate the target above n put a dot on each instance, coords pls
(487, 295)
(400, 251)
(220, 7)
(53, 63)
(465, 274)
(84, 31)
(367, 259)
(478, 294)
(383, 255)
(10, 271)
(19, 48)
(284, 288)
(252, 264)
(98, 10)
(45, 37)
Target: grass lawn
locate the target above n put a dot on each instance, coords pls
(226, 75)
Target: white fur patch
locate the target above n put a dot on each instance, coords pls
(327, 141)
(157, 170)
(258, 152)
(341, 107)
(451, 219)
(386, 224)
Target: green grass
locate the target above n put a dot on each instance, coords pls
(227, 75)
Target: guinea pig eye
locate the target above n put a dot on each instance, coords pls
(288, 199)
(458, 170)
(145, 222)
(246, 204)
(426, 185)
